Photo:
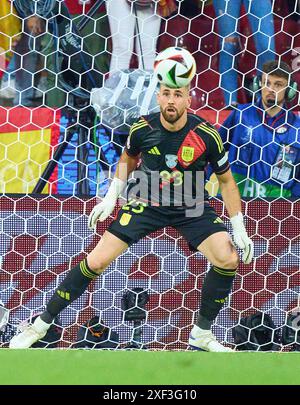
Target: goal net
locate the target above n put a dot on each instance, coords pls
(65, 115)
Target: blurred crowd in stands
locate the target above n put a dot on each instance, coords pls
(230, 39)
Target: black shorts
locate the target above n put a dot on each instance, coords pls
(133, 222)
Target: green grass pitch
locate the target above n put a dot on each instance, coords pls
(101, 367)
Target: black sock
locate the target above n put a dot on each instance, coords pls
(73, 286)
(215, 290)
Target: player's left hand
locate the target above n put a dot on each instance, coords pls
(241, 237)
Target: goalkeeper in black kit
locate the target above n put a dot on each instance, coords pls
(170, 151)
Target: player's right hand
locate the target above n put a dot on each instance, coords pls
(101, 211)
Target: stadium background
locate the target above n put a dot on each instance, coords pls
(42, 236)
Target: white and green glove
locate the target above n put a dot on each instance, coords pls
(102, 210)
(241, 237)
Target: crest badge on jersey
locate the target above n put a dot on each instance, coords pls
(125, 219)
(187, 154)
(281, 130)
(171, 161)
(191, 149)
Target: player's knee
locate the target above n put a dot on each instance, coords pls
(97, 265)
(231, 261)
(226, 256)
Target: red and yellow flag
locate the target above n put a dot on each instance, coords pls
(27, 140)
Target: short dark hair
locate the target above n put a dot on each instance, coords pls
(188, 86)
(276, 68)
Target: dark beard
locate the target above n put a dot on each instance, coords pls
(170, 120)
(271, 102)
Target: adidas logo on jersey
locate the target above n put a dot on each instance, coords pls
(218, 221)
(154, 151)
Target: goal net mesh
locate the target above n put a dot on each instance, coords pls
(63, 106)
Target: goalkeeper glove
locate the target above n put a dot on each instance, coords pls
(102, 210)
(241, 238)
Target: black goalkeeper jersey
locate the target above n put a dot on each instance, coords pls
(170, 160)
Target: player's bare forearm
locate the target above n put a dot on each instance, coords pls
(126, 165)
(230, 193)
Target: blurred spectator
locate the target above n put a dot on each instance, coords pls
(263, 139)
(191, 8)
(260, 17)
(10, 29)
(95, 35)
(26, 63)
(294, 9)
(137, 20)
(8, 82)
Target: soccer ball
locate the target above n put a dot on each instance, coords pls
(175, 67)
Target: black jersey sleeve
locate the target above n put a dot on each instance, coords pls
(216, 154)
(134, 140)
